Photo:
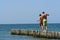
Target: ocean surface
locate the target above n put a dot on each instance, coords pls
(6, 28)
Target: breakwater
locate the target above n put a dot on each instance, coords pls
(36, 33)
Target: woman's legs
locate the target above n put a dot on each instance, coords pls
(41, 27)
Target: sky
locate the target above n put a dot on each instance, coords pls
(27, 11)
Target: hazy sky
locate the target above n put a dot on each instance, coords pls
(27, 11)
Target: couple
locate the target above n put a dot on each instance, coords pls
(43, 21)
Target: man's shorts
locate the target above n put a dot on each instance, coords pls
(44, 22)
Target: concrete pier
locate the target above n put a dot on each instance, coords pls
(36, 33)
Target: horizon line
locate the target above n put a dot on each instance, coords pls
(30, 23)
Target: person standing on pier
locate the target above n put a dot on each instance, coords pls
(41, 22)
(44, 17)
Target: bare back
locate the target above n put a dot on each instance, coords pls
(44, 16)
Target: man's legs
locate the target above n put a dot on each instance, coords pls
(45, 29)
(44, 25)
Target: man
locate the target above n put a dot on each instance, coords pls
(44, 18)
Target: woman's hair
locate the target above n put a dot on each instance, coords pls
(40, 15)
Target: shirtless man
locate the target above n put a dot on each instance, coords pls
(44, 18)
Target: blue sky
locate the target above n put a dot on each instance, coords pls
(27, 11)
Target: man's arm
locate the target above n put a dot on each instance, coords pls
(47, 14)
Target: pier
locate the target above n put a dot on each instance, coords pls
(36, 33)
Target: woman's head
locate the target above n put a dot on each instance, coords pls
(40, 15)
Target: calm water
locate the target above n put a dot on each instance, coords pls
(5, 31)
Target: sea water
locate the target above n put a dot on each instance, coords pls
(6, 28)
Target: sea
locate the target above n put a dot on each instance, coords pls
(5, 31)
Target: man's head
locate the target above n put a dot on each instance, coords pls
(43, 12)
